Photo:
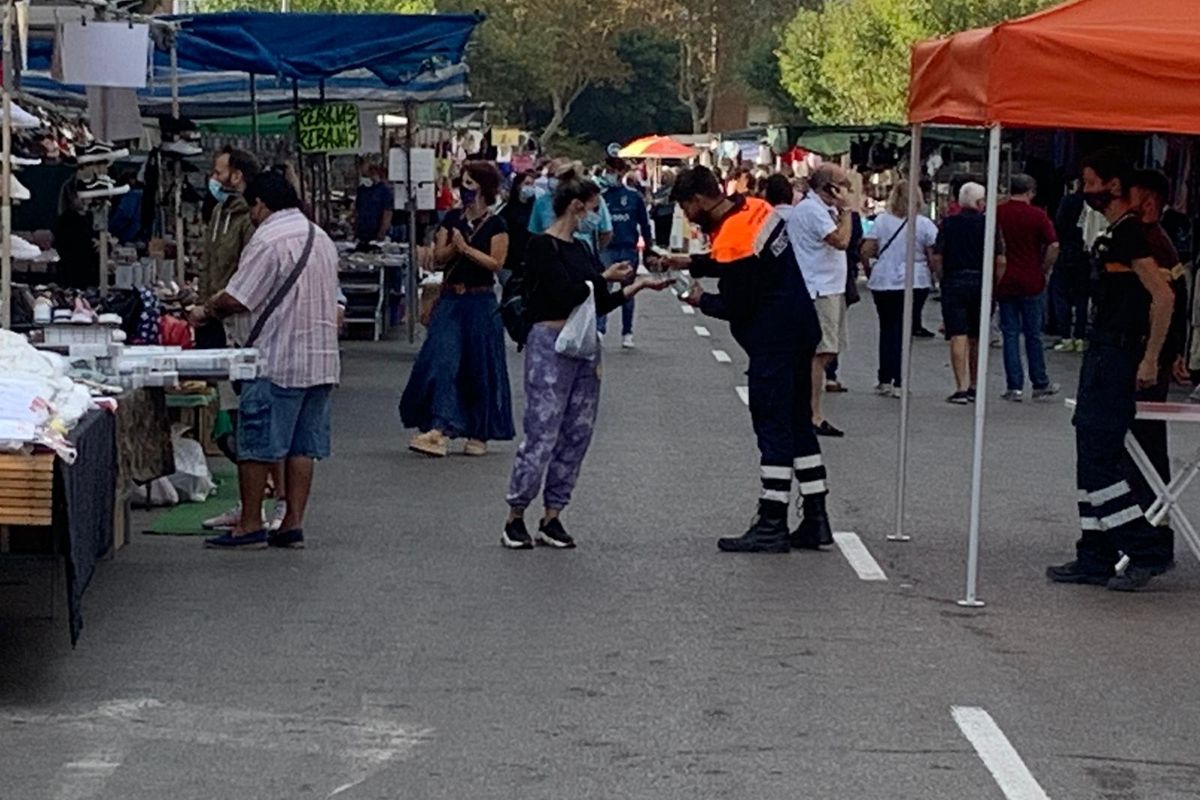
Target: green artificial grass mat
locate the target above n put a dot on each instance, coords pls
(185, 518)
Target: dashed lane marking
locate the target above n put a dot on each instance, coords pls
(860, 558)
(743, 392)
(686, 308)
(702, 331)
(722, 357)
(998, 754)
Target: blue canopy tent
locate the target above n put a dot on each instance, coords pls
(206, 63)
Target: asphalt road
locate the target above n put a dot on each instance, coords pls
(406, 655)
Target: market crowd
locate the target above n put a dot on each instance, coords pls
(544, 256)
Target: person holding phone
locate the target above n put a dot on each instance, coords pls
(459, 383)
(762, 295)
(820, 229)
(562, 393)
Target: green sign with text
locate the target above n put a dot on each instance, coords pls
(329, 128)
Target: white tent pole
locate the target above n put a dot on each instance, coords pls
(910, 240)
(6, 175)
(981, 376)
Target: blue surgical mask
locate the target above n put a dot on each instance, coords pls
(527, 193)
(590, 223)
(467, 196)
(217, 190)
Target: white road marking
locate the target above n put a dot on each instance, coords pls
(687, 309)
(365, 744)
(998, 754)
(860, 558)
(743, 393)
(722, 357)
(701, 331)
(85, 778)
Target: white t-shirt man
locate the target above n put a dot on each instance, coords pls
(823, 265)
(888, 273)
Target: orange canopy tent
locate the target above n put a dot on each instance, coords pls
(1091, 64)
(1126, 65)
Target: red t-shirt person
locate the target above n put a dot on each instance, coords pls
(1027, 232)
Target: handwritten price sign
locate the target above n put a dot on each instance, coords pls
(329, 128)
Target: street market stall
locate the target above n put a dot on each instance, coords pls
(1136, 68)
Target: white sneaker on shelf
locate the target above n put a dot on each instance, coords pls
(97, 151)
(276, 520)
(16, 189)
(23, 119)
(99, 187)
(20, 161)
(224, 521)
(23, 250)
(181, 148)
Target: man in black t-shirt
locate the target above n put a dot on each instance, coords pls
(1131, 313)
(1149, 195)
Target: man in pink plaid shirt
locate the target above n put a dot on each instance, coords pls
(283, 298)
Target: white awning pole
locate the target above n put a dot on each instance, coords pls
(6, 175)
(981, 376)
(910, 240)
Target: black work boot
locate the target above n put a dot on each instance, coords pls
(813, 532)
(768, 533)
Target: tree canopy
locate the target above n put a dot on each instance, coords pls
(847, 63)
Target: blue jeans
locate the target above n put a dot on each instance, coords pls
(1022, 316)
(615, 255)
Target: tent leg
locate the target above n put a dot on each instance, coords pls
(910, 240)
(299, 151)
(177, 206)
(981, 376)
(412, 303)
(6, 175)
(254, 112)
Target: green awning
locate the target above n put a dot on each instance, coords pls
(272, 123)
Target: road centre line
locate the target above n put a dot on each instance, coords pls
(999, 756)
(702, 331)
(860, 558)
(722, 357)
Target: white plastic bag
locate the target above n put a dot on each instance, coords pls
(192, 479)
(578, 338)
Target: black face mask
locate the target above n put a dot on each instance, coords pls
(1098, 200)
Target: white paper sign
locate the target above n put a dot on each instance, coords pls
(423, 166)
(105, 53)
(426, 200)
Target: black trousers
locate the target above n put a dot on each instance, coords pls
(889, 307)
(1111, 519)
(780, 387)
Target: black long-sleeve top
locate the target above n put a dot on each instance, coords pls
(557, 274)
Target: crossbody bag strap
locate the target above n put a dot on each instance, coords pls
(883, 250)
(282, 292)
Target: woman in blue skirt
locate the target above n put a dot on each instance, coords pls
(459, 383)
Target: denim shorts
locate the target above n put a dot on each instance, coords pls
(275, 423)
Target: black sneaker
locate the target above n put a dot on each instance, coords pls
(959, 398)
(97, 151)
(99, 187)
(923, 333)
(1131, 580)
(1073, 572)
(825, 429)
(516, 536)
(552, 534)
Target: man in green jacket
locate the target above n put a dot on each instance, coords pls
(227, 233)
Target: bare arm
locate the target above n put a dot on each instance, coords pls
(604, 239)
(443, 247)
(223, 305)
(1162, 301)
(385, 225)
(1001, 266)
(936, 264)
(840, 238)
(494, 261)
(1050, 258)
(870, 248)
